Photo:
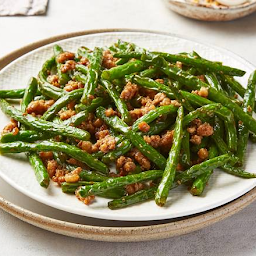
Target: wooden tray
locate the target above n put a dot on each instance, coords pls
(116, 231)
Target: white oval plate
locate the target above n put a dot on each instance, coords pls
(15, 169)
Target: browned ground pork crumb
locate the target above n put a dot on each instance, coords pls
(11, 127)
(86, 200)
(86, 146)
(159, 80)
(61, 58)
(76, 162)
(110, 112)
(105, 144)
(162, 100)
(133, 188)
(154, 140)
(139, 112)
(108, 60)
(167, 138)
(129, 91)
(205, 130)
(202, 78)
(147, 92)
(54, 80)
(179, 64)
(144, 127)
(125, 165)
(203, 92)
(48, 155)
(196, 139)
(84, 61)
(66, 114)
(203, 153)
(51, 167)
(141, 159)
(59, 176)
(73, 85)
(38, 107)
(69, 65)
(73, 176)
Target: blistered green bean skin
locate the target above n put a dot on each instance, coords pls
(41, 173)
(63, 77)
(126, 69)
(120, 104)
(200, 182)
(92, 75)
(138, 197)
(243, 132)
(29, 94)
(198, 169)
(19, 146)
(153, 114)
(172, 161)
(62, 102)
(44, 86)
(12, 94)
(42, 125)
(111, 183)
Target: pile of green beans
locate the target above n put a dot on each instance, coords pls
(172, 96)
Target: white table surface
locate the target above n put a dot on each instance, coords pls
(233, 236)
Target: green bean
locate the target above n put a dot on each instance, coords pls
(185, 156)
(213, 81)
(82, 68)
(200, 182)
(44, 86)
(198, 169)
(153, 85)
(92, 75)
(218, 135)
(202, 64)
(156, 127)
(111, 183)
(27, 136)
(150, 72)
(62, 102)
(120, 103)
(121, 149)
(63, 77)
(84, 157)
(12, 94)
(122, 70)
(70, 188)
(91, 176)
(236, 171)
(153, 114)
(195, 83)
(138, 197)
(29, 94)
(42, 125)
(243, 132)
(204, 110)
(177, 94)
(40, 171)
(83, 115)
(171, 164)
(146, 149)
(114, 122)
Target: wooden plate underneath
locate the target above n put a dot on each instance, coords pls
(149, 231)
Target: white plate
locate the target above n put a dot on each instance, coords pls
(17, 172)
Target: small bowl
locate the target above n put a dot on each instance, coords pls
(209, 12)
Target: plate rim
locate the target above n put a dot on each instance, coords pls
(119, 234)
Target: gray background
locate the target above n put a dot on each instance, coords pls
(233, 236)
